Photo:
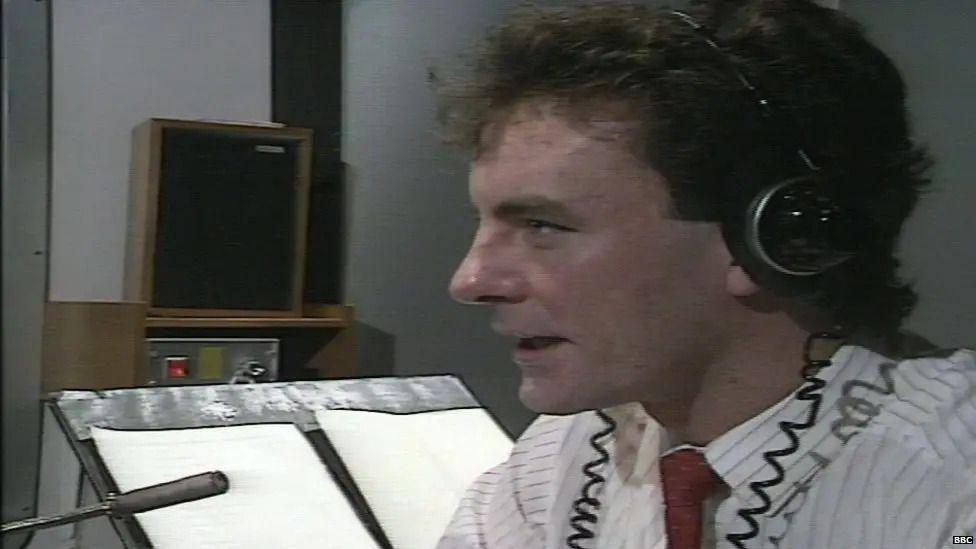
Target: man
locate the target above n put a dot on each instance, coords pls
(687, 223)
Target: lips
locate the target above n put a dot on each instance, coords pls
(534, 346)
(536, 352)
(538, 342)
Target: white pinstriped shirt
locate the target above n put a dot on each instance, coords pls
(890, 464)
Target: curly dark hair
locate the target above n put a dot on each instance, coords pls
(842, 95)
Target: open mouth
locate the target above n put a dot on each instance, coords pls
(537, 343)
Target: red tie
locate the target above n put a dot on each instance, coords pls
(687, 480)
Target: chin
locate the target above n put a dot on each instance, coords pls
(545, 400)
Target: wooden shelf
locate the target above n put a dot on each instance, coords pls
(190, 322)
(100, 345)
(321, 316)
(329, 347)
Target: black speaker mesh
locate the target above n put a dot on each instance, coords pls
(226, 221)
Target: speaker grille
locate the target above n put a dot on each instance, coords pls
(225, 233)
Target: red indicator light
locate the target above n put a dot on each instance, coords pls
(177, 366)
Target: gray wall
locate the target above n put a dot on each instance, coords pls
(932, 43)
(25, 176)
(115, 64)
(409, 223)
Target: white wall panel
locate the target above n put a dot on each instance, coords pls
(114, 64)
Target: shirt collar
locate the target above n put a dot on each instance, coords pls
(738, 455)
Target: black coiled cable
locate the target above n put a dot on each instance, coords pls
(586, 505)
(809, 392)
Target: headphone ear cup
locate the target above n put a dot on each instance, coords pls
(796, 228)
(793, 231)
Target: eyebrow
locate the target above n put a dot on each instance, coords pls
(534, 205)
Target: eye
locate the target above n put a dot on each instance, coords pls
(540, 227)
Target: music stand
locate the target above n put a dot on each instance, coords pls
(182, 407)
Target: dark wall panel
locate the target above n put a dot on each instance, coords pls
(306, 52)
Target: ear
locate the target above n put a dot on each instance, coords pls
(738, 282)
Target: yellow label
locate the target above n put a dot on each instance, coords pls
(211, 363)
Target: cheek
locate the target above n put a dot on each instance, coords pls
(636, 279)
(601, 299)
(620, 301)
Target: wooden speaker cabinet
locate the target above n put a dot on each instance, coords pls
(218, 219)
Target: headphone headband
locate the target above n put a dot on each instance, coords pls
(791, 230)
(759, 98)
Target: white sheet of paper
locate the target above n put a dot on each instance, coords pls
(413, 469)
(281, 495)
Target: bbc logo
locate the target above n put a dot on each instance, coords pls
(962, 540)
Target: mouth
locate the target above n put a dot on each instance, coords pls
(531, 350)
(538, 343)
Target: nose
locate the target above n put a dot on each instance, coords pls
(486, 277)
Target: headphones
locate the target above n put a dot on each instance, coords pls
(792, 230)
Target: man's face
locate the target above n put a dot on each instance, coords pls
(606, 299)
